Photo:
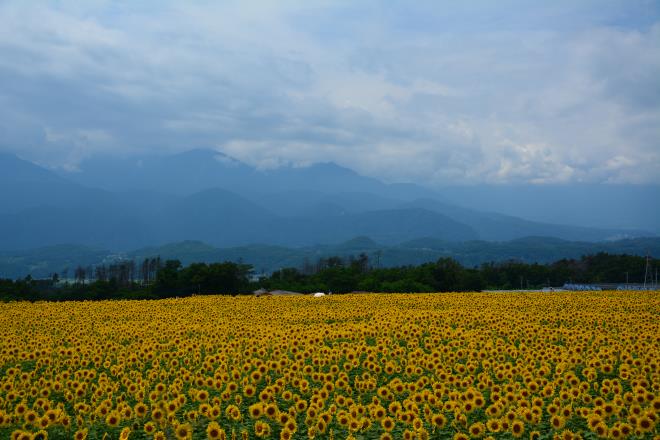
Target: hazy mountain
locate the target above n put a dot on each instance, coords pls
(610, 206)
(124, 220)
(267, 258)
(219, 217)
(200, 169)
(89, 223)
(26, 185)
(315, 203)
(182, 173)
(497, 227)
(42, 262)
(150, 203)
(386, 226)
(606, 206)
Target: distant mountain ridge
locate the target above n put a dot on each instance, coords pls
(200, 169)
(26, 185)
(153, 201)
(610, 206)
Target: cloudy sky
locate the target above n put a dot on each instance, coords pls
(433, 92)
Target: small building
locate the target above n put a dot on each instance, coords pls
(261, 292)
(264, 292)
(284, 293)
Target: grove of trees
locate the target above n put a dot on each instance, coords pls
(154, 278)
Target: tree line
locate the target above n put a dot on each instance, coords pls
(153, 278)
(123, 273)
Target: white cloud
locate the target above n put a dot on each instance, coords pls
(433, 93)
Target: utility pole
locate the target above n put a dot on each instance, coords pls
(646, 272)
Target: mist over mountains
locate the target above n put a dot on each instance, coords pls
(203, 195)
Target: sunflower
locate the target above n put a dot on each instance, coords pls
(387, 424)
(20, 409)
(172, 406)
(379, 412)
(301, 405)
(615, 432)
(271, 410)
(285, 434)
(140, 409)
(149, 428)
(557, 422)
(215, 412)
(157, 415)
(30, 416)
(477, 430)
(567, 435)
(645, 424)
(262, 429)
(626, 429)
(592, 421)
(192, 416)
(183, 431)
(123, 435)
(256, 410)
(493, 425)
(601, 429)
(517, 428)
(40, 435)
(113, 419)
(439, 420)
(214, 431)
(21, 435)
(291, 425)
(321, 426)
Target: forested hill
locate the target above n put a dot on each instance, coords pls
(265, 259)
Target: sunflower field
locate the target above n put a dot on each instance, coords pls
(372, 366)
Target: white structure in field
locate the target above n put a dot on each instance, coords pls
(318, 294)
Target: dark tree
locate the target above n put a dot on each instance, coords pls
(447, 275)
(145, 272)
(80, 275)
(101, 273)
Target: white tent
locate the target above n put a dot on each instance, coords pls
(318, 294)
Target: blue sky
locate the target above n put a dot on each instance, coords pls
(432, 92)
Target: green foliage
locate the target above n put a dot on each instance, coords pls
(336, 275)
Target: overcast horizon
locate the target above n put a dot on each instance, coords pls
(432, 93)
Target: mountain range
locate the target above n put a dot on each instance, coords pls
(206, 196)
